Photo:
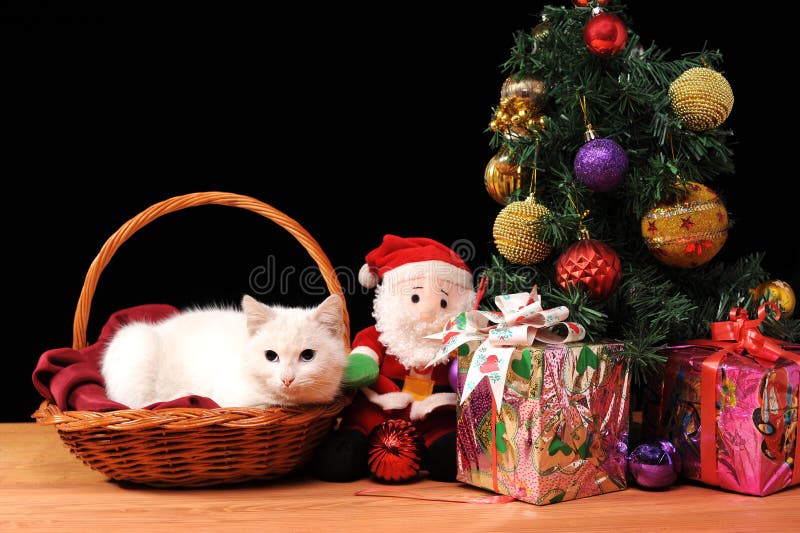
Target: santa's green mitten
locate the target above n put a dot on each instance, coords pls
(361, 370)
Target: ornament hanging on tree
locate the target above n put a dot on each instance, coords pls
(688, 232)
(585, 3)
(531, 89)
(779, 292)
(591, 264)
(605, 34)
(541, 30)
(600, 164)
(518, 232)
(702, 98)
(515, 116)
(503, 176)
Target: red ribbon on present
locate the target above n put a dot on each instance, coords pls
(742, 334)
(494, 449)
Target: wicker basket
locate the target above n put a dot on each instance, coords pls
(191, 447)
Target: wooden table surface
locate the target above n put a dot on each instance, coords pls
(43, 487)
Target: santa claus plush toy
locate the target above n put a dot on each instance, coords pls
(402, 419)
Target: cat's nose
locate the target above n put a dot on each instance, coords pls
(287, 381)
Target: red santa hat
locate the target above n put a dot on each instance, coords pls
(400, 258)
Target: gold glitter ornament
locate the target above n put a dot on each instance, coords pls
(779, 292)
(503, 176)
(702, 98)
(529, 88)
(689, 232)
(517, 232)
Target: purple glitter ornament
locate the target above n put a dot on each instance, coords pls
(601, 164)
(655, 464)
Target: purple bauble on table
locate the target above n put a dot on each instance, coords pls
(655, 464)
(601, 164)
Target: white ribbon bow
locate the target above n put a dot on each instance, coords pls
(520, 322)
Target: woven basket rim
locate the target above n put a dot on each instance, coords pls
(174, 418)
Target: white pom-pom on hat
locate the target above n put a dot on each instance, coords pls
(367, 277)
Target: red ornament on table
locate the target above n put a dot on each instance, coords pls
(591, 264)
(395, 451)
(605, 34)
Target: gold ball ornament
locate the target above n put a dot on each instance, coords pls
(503, 176)
(518, 233)
(688, 232)
(779, 292)
(531, 89)
(702, 98)
(541, 30)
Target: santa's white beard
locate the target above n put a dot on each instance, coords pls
(402, 333)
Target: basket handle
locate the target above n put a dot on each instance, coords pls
(178, 203)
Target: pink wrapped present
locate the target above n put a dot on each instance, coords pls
(542, 423)
(745, 386)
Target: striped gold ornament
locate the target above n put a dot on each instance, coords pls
(503, 176)
(689, 232)
(702, 98)
(517, 233)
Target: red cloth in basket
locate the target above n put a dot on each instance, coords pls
(71, 378)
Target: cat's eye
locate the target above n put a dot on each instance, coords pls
(271, 356)
(307, 354)
(415, 298)
(443, 303)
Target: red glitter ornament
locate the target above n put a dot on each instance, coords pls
(584, 3)
(395, 451)
(592, 264)
(605, 34)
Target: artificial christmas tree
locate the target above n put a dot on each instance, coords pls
(622, 143)
(622, 149)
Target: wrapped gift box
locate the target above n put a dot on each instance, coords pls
(756, 417)
(744, 387)
(560, 432)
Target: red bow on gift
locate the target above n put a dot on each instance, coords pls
(745, 332)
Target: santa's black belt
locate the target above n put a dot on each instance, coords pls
(436, 388)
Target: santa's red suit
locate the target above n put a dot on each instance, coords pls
(420, 395)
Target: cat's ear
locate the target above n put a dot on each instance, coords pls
(329, 314)
(257, 314)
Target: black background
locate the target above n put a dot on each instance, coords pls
(356, 123)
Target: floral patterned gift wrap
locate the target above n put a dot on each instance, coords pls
(744, 387)
(542, 422)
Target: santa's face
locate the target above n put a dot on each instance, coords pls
(407, 310)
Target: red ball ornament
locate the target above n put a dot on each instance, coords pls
(395, 451)
(605, 35)
(584, 3)
(592, 264)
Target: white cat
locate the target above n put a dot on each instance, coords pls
(259, 356)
